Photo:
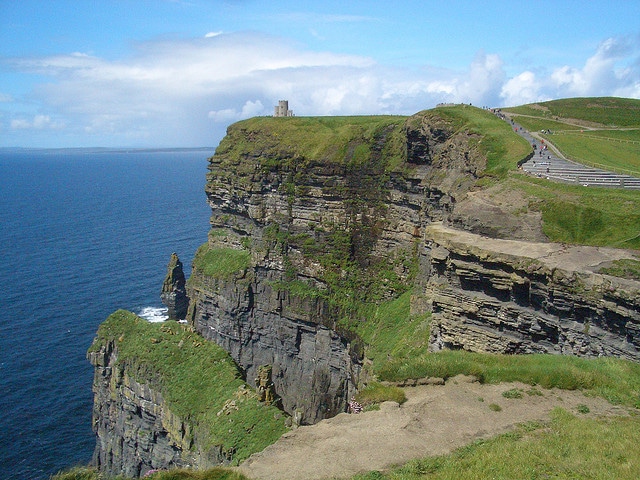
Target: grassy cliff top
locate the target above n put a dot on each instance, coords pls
(291, 141)
(603, 111)
(353, 140)
(196, 378)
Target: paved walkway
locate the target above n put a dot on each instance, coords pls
(553, 166)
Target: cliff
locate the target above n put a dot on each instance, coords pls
(322, 216)
(505, 296)
(165, 398)
(313, 219)
(320, 226)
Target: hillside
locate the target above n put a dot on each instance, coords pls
(600, 132)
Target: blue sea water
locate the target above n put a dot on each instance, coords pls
(82, 233)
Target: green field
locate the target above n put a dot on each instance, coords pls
(599, 132)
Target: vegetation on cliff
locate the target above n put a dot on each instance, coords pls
(297, 142)
(199, 381)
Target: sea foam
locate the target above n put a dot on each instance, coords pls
(154, 314)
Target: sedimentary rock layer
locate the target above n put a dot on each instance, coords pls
(135, 429)
(504, 296)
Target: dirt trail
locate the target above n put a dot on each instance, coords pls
(434, 420)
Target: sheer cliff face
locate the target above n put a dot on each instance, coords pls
(135, 430)
(322, 225)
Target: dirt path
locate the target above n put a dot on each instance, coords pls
(434, 420)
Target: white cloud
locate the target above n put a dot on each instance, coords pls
(38, 122)
(249, 109)
(184, 92)
(601, 72)
(486, 75)
(521, 89)
(613, 70)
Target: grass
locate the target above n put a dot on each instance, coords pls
(604, 151)
(513, 393)
(625, 268)
(196, 379)
(295, 142)
(605, 111)
(580, 215)
(376, 393)
(588, 130)
(391, 332)
(616, 380)
(569, 447)
(222, 263)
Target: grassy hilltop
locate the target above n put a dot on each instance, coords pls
(602, 131)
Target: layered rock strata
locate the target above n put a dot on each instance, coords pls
(135, 430)
(291, 213)
(299, 213)
(502, 296)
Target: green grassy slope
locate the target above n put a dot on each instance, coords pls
(196, 379)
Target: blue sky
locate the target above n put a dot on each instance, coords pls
(172, 73)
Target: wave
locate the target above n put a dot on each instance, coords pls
(154, 314)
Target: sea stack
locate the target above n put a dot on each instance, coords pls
(174, 293)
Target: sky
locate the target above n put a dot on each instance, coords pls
(176, 73)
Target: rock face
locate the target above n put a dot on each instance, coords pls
(318, 230)
(174, 293)
(314, 369)
(135, 430)
(503, 296)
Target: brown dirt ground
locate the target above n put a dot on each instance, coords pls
(434, 420)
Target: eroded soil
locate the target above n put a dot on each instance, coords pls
(435, 420)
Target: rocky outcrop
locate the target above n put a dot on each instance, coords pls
(136, 431)
(164, 398)
(314, 368)
(503, 296)
(174, 293)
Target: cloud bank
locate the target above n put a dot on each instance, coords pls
(185, 92)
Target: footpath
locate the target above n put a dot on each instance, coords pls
(435, 420)
(547, 162)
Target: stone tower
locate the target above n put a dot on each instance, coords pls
(282, 109)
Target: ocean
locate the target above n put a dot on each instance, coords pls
(82, 234)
